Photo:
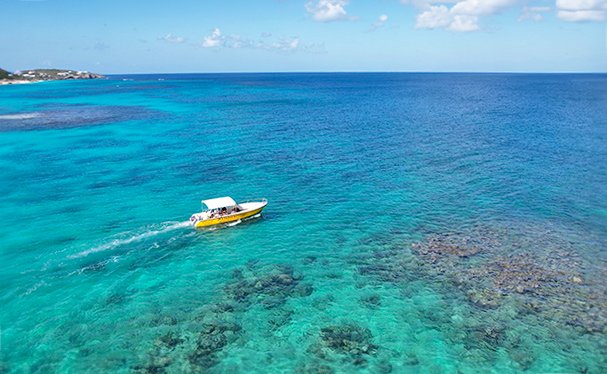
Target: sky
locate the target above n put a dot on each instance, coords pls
(178, 36)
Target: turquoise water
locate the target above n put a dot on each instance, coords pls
(419, 223)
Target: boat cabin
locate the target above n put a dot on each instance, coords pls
(219, 206)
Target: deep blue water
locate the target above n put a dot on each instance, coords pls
(416, 223)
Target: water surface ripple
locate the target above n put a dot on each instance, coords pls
(417, 223)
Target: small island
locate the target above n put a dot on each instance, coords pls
(42, 75)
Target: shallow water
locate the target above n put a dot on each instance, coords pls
(417, 223)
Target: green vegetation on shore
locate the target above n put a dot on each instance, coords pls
(4, 74)
(36, 75)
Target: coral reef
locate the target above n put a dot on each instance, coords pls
(535, 270)
(372, 301)
(268, 285)
(348, 339)
(218, 325)
(510, 290)
(213, 338)
(351, 342)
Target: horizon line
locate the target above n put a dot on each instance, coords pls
(360, 72)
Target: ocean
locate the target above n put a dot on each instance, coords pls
(417, 223)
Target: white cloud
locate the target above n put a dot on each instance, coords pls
(433, 18)
(481, 7)
(441, 17)
(582, 10)
(327, 10)
(293, 43)
(581, 15)
(533, 13)
(213, 40)
(174, 39)
(381, 20)
(284, 45)
(464, 23)
(463, 16)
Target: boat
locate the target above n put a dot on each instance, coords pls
(223, 210)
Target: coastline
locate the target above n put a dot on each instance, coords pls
(44, 75)
(23, 81)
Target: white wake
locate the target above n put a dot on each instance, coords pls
(19, 116)
(232, 224)
(134, 238)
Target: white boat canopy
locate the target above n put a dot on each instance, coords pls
(220, 202)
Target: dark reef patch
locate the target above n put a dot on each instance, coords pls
(164, 320)
(267, 285)
(309, 260)
(533, 270)
(372, 301)
(219, 324)
(213, 338)
(348, 339)
(53, 117)
(169, 341)
(349, 342)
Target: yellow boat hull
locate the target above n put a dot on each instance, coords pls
(227, 219)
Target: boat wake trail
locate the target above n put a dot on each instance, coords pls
(19, 116)
(168, 226)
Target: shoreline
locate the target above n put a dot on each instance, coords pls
(21, 81)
